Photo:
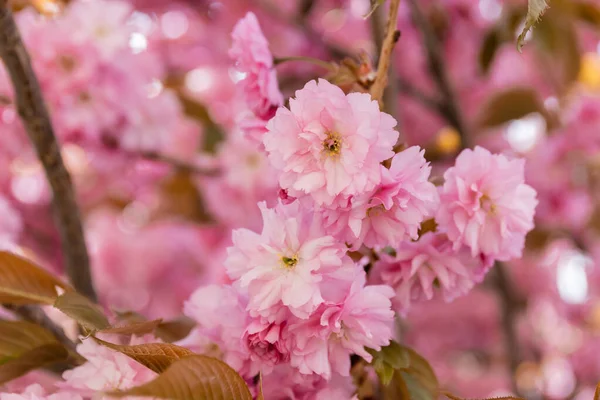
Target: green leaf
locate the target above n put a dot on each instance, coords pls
(419, 378)
(134, 328)
(389, 359)
(193, 378)
(374, 5)
(509, 104)
(22, 282)
(32, 359)
(535, 9)
(155, 356)
(82, 310)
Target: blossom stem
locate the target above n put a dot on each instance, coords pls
(33, 112)
(324, 64)
(437, 66)
(385, 57)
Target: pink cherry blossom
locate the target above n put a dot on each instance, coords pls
(428, 268)
(220, 312)
(394, 211)
(486, 205)
(250, 50)
(36, 392)
(325, 342)
(104, 370)
(268, 343)
(292, 263)
(329, 145)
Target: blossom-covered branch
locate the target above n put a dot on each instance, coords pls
(36, 120)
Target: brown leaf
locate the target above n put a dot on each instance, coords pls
(134, 328)
(509, 104)
(194, 378)
(18, 337)
(453, 397)
(491, 43)
(156, 356)
(32, 359)
(23, 282)
(535, 9)
(556, 36)
(175, 330)
(82, 310)
(587, 12)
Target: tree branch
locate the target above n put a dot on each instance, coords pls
(36, 120)
(437, 67)
(385, 58)
(510, 306)
(181, 165)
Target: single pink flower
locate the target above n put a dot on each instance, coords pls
(325, 342)
(428, 268)
(329, 145)
(394, 211)
(486, 205)
(268, 343)
(250, 50)
(220, 312)
(291, 264)
(104, 370)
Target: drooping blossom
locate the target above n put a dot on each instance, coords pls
(220, 312)
(325, 342)
(36, 392)
(292, 263)
(284, 383)
(329, 145)
(486, 205)
(268, 343)
(250, 50)
(428, 268)
(394, 211)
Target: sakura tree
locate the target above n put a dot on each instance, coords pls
(251, 199)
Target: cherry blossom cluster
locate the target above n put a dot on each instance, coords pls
(299, 296)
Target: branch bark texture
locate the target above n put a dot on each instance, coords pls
(35, 117)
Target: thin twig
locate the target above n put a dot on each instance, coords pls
(438, 69)
(34, 114)
(179, 164)
(315, 61)
(390, 95)
(510, 306)
(385, 58)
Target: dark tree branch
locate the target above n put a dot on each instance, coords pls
(510, 306)
(36, 120)
(438, 70)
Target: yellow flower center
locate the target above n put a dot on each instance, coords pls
(486, 203)
(289, 262)
(332, 145)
